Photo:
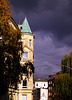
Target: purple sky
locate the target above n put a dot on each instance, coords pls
(51, 23)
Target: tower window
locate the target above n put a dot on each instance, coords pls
(21, 27)
(30, 43)
(25, 56)
(24, 83)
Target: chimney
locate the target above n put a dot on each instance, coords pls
(19, 22)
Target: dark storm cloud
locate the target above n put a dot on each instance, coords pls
(47, 55)
(25, 5)
(51, 23)
(47, 15)
(57, 20)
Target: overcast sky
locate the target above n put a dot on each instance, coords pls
(51, 23)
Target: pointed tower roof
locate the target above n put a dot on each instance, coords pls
(25, 28)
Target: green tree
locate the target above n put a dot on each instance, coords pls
(10, 51)
(63, 86)
(63, 82)
(10, 46)
(66, 63)
(70, 59)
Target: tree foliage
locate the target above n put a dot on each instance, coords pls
(63, 82)
(10, 46)
(10, 51)
(63, 86)
(28, 68)
(67, 64)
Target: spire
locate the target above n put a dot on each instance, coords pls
(25, 28)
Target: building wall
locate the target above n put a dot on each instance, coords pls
(41, 84)
(25, 39)
(50, 87)
(43, 94)
(36, 94)
(25, 44)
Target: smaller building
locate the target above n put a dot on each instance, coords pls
(51, 83)
(41, 88)
(50, 87)
(36, 94)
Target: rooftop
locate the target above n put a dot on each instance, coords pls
(41, 80)
(24, 27)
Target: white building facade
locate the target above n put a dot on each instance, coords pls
(43, 85)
